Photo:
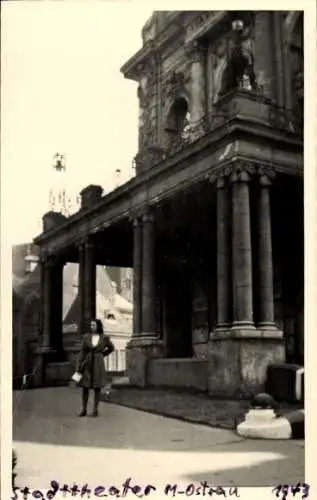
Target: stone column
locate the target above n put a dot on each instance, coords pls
(81, 287)
(265, 257)
(198, 108)
(241, 253)
(137, 277)
(42, 287)
(148, 278)
(90, 280)
(222, 255)
(44, 351)
(56, 310)
(47, 298)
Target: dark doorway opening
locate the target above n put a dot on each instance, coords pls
(178, 315)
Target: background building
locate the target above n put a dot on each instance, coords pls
(113, 309)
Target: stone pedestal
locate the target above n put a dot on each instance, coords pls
(90, 196)
(138, 353)
(238, 361)
(263, 424)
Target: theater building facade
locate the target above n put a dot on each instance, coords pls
(212, 221)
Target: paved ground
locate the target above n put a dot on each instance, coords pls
(198, 408)
(52, 443)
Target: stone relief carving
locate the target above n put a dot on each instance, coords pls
(239, 72)
(147, 157)
(201, 20)
(174, 87)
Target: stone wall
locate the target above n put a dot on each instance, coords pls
(238, 366)
(178, 373)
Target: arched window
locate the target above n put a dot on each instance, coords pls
(178, 118)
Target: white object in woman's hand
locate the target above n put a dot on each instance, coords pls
(77, 377)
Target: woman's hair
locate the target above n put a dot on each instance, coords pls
(99, 326)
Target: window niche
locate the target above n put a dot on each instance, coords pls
(177, 123)
(239, 71)
(176, 109)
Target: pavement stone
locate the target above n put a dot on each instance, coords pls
(53, 443)
(198, 408)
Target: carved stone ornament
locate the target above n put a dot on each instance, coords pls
(149, 156)
(201, 20)
(239, 72)
(241, 171)
(174, 87)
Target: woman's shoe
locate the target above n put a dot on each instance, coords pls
(94, 413)
(83, 413)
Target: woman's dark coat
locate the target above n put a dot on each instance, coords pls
(91, 361)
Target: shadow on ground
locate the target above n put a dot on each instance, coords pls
(243, 469)
(45, 425)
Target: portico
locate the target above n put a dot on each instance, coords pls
(211, 223)
(202, 256)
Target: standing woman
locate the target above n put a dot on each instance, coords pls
(95, 347)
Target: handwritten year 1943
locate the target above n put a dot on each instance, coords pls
(282, 490)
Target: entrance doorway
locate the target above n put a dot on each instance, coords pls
(178, 315)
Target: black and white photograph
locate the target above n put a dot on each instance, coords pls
(153, 163)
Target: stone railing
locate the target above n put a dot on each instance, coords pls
(244, 105)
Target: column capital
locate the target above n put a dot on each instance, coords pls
(266, 171)
(265, 181)
(89, 243)
(194, 51)
(240, 171)
(49, 261)
(147, 216)
(136, 221)
(243, 176)
(220, 182)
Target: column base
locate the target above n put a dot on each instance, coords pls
(238, 360)
(222, 327)
(42, 356)
(139, 350)
(267, 325)
(243, 325)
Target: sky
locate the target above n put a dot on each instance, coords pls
(62, 91)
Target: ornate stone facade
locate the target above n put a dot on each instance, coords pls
(208, 221)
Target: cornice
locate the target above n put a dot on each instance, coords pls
(133, 195)
(153, 47)
(203, 23)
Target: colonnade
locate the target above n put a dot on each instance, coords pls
(234, 267)
(234, 254)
